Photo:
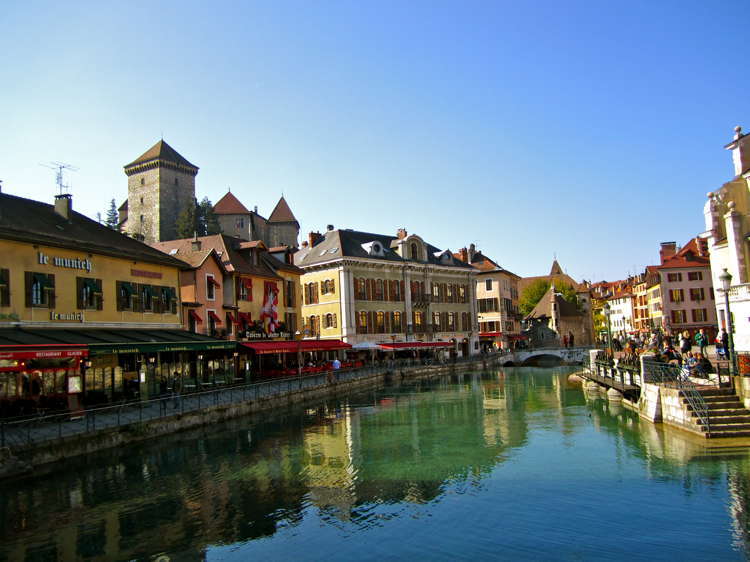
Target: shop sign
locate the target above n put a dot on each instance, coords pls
(166, 347)
(69, 263)
(264, 336)
(144, 273)
(67, 317)
(44, 354)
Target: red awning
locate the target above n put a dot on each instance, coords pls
(415, 344)
(194, 316)
(232, 319)
(214, 316)
(44, 353)
(287, 346)
(247, 283)
(214, 282)
(246, 317)
(490, 334)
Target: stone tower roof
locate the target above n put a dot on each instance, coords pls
(282, 212)
(230, 205)
(161, 153)
(556, 269)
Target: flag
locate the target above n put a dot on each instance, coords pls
(270, 305)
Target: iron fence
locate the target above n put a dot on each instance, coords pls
(678, 377)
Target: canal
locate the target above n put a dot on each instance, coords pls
(517, 463)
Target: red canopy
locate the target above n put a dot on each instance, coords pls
(286, 346)
(415, 344)
(232, 319)
(215, 316)
(490, 334)
(194, 316)
(246, 317)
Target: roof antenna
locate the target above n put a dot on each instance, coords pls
(60, 166)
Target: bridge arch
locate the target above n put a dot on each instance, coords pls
(543, 360)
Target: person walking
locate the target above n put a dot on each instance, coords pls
(701, 340)
(725, 344)
(685, 343)
(721, 352)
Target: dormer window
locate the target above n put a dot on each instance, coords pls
(374, 248)
(414, 251)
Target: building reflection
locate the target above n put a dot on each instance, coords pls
(248, 479)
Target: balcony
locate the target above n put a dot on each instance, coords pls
(737, 293)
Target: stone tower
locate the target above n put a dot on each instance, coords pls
(283, 228)
(161, 184)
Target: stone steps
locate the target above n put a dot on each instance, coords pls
(726, 414)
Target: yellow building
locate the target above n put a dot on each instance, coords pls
(84, 310)
(392, 291)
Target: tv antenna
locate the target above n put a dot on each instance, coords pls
(59, 167)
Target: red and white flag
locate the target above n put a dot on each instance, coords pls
(270, 306)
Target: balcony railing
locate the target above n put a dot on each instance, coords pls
(737, 293)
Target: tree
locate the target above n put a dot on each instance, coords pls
(187, 221)
(113, 218)
(208, 223)
(532, 294)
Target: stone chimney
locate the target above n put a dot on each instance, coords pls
(314, 238)
(401, 234)
(196, 243)
(463, 252)
(472, 251)
(740, 148)
(667, 250)
(64, 205)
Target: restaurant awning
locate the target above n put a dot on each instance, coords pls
(214, 316)
(415, 345)
(262, 347)
(195, 316)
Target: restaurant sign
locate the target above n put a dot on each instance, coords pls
(44, 354)
(69, 263)
(67, 317)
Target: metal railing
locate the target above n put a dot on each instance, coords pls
(55, 426)
(678, 377)
(27, 431)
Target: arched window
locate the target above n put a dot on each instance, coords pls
(379, 290)
(380, 322)
(397, 322)
(415, 251)
(363, 321)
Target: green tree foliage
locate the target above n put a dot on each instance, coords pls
(187, 221)
(208, 223)
(532, 294)
(113, 218)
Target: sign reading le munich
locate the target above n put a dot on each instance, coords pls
(70, 263)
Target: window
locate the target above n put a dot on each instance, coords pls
(415, 255)
(435, 321)
(679, 317)
(329, 287)
(676, 295)
(143, 181)
(397, 322)
(674, 277)
(229, 317)
(210, 292)
(488, 305)
(711, 292)
(245, 289)
(462, 293)
(700, 315)
(126, 295)
(380, 322)
(89, 293)
(40, 290)
(240, 223)
(289, 294)
(362, 322)
(330, 321)
(396, 291)
(359, 288)
(311, 293)
(695, 276)
(451, 321)
(290, 319)
(147, 298)
(379, 290)
(435, 292)
(488, 284)
(4, 287)
(697, 294)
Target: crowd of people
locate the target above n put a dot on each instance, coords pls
(678, 349)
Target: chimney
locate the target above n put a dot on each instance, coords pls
(304, 243)
(196, 243)
(64, 205)
(702, 247)
(472, 251)
(329, 227)
(464, 255)
(314, 238)
(740, 148)
(255, 209)
(668, 249)
(401, 234)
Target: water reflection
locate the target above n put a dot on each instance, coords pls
(352, 466)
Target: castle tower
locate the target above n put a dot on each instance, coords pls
(161, 184)
(283, 228)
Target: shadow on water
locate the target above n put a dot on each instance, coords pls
(353, 464)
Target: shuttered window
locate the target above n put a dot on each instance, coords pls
(4, 287)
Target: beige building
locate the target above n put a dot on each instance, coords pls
(497, 300)
(368, 288)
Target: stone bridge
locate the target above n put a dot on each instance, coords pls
(557, 355)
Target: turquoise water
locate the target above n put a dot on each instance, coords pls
(515, 464)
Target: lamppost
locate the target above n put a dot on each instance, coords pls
(607, 311)
(298, 336)
(726, 283)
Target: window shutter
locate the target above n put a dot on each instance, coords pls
(51, 289)
(371, 322)
(99, 295)
(335, 325)
(28, 280)
(79, 293)
(137, 298)
(368, 287)
(387, 321)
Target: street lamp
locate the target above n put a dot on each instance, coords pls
(726, 283)
(607, 311)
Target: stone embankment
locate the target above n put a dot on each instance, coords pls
(32, 456)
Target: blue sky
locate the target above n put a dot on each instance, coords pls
(587, 130)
